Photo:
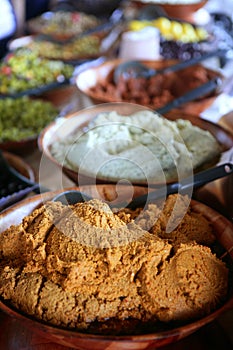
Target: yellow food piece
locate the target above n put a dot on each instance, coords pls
(172, 29)
(163, 24)
(177, 29)
(138, 25)
(201, 33)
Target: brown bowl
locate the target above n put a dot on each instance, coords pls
(97, 7)
(20, 165)
(179, 11)
(226, 121)
(77, 340)
(21, 147)
(102, 74)
(62, 128)
(22, 168)
(28, 144)
(61, 27)
(185, 12)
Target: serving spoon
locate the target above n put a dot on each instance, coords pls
(135, 69)
(215, 84)
(184, 186)
(150, 12)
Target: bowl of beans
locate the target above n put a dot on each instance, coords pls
(98, 84)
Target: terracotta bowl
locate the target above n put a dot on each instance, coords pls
(21, 147)
(184, 12)
(52, 26)
(20, 165)
(63, 127)
(97, 7)
(76, 340)
(28, 144)
(23, 168)
(88, 79)
(179, 11)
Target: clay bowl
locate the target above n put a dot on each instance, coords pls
(185, 12)
(227, 121)
(52, 26)
(179, 11)
(97, 7)
(23, 168)
(59, 99)
(63, 127)
(76, 340)
(20, 165)
(90, 77)
(21, 147)
(28, 144)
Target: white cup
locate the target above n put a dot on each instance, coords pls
(142, 44)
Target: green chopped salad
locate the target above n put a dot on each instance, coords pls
(24, 118)
(24, 69)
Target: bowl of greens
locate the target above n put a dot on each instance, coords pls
(24, 72)
(21, 121)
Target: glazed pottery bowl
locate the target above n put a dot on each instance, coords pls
(77, 340)
(22, 120)
(97, 83)
(63, 128)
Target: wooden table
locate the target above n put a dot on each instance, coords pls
(217, 335)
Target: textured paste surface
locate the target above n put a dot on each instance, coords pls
(85, 264)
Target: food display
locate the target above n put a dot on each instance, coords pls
(89, 268)
(181, 36)
(23, 70)
(153, 92)
(140, 147)
(62, 24)
(178, 39)
(171, 29)
(84, 47)
(24, 118)
(96, 274)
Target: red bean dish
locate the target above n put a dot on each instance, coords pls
(153, 92)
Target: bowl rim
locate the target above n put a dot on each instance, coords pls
(19, 163)
(220, 221)
(194, 5)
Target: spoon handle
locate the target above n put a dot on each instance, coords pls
(189, 183)
(192, 61)
(206, 176)
(198, 92)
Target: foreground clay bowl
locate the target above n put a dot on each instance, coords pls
(63, 127)
(224, 233)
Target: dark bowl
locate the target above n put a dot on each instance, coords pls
(21, 147)
(97, 7)
(77, 340)
(20, 165)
